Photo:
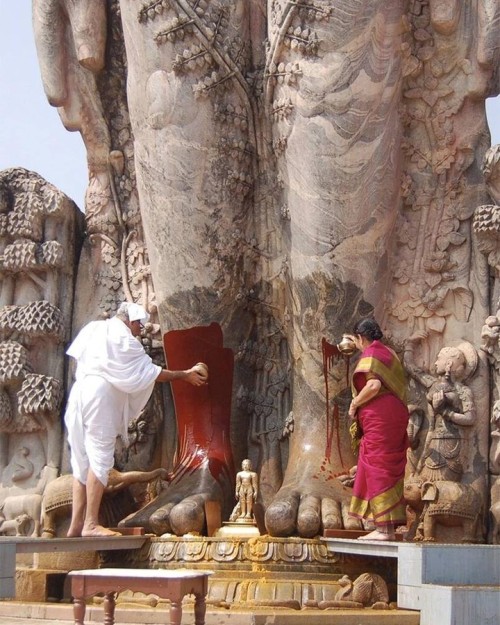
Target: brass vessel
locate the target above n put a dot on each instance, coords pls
(346, 345)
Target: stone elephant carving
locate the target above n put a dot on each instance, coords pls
(18, 505)
(452, 504)
(415, 505)
(58, 495)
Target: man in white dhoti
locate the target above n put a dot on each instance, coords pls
(114, 380)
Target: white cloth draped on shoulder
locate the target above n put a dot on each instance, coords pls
(107, 349)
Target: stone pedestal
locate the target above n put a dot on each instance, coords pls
(238, 529)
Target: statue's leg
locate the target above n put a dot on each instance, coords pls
(204, 470)
(191, 116)
(340, 167)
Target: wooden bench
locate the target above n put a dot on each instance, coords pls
(10, 546)
(166, 584)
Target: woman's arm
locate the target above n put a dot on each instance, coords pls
(369, 390)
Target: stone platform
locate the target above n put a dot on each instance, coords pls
(448, 584)
(264, 576)
(267, 580)
(16, 613)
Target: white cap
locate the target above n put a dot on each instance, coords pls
(135, 312)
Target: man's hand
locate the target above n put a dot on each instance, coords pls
(197, 375)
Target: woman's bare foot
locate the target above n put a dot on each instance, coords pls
(377, 535)
(97, 530)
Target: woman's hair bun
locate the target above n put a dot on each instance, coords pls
(368, 328)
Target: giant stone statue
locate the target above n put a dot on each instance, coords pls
(281, 169)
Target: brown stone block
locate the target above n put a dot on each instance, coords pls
(66, 561)
(39, 585)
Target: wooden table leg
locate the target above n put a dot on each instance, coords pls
(109, 608)
(79, 610)
(176, 612)
(200, 608)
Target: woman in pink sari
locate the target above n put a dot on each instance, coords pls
(379, 404)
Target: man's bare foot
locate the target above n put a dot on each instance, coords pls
(74, 532)
(97, 530)
(377, 535)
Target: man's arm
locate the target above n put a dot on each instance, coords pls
(194, 376)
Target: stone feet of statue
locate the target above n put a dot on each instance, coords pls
(311, 500)
(180, 509)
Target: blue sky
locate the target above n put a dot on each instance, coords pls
(31, 133)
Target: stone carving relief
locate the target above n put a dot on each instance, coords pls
(441, 468)
(262, 142)
(487, 229)
(366, 591)
(495, 510)
(58, 499)
(39, 239)
(440, 292)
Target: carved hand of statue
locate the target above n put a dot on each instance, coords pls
(490, 334)
(438, 400)
(415, 338)
(55, 22)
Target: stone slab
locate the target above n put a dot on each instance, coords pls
(460, 605)
(47, 614)
(100, 543)
(11, 546)
(39, 585)
(449, 584)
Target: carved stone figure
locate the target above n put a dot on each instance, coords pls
(415, 505)
(58, 496)
(452, 504)
(19, 526)
(495, 439)
(450, 409)
(495, 511)
(271, 186)
(39, 239)
(247, 488)
(369, 590)
(30, 505)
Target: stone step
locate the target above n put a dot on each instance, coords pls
(460, 605)
(17, 613)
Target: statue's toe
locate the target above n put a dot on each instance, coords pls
(281, 516)
(331, 513)
(159, 521)
(309, 516)
(188, 516)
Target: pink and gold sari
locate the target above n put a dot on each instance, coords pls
(378, 487)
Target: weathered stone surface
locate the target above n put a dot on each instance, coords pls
(296, 166)
(40, 237)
